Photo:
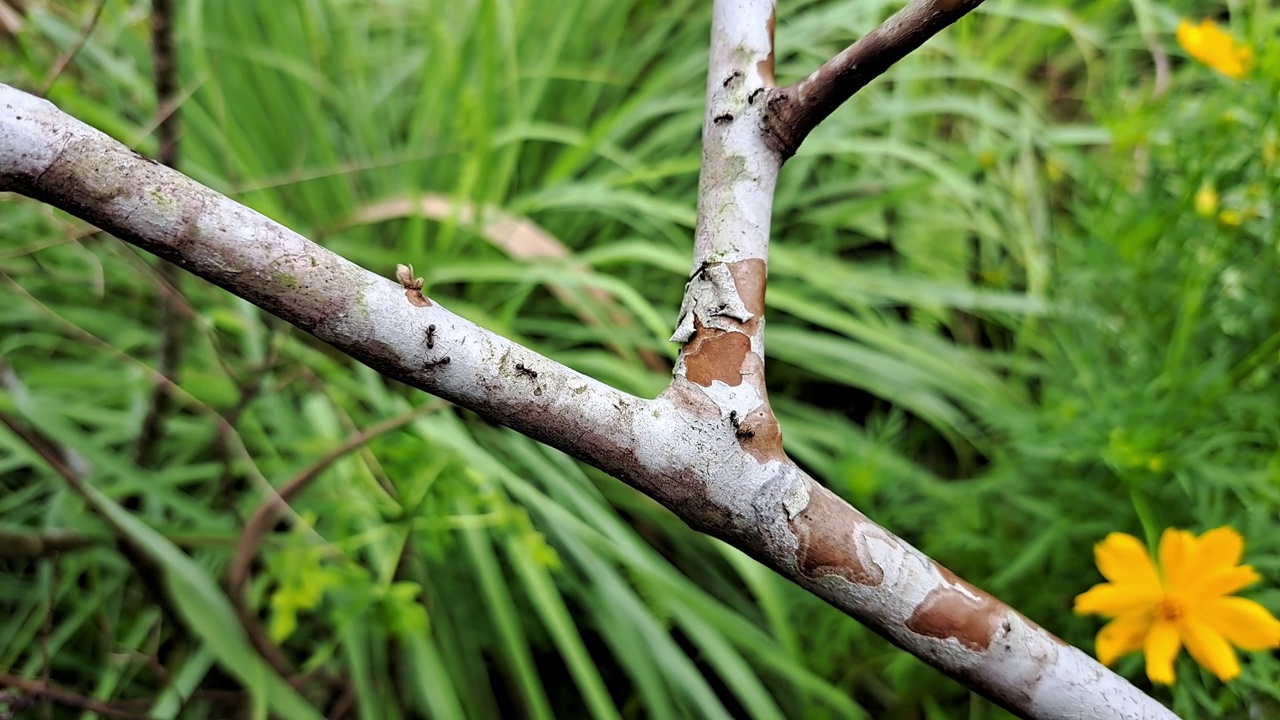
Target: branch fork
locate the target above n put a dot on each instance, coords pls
(709, 447)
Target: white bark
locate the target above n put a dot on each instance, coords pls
(708, 448)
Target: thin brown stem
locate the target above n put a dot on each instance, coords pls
(65, 58)
(169, 298)
(794, 111)
(165, 58)
(270, 512)
(167, 363)
(65, 697)
(46, 544)
(46, 450)
(65, 463)
(250, 389)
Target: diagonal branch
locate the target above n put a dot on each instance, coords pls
(794, 111)
(54, 158)
(720, 472)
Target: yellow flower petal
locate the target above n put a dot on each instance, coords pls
(1215, 48)
(1210, 649)
(1223, 582)
(1161, 647)
(1123, 558)
(1243, 623)
(1185, 602)
(1189, 36)
(1121, 636)
(1220, 547)
(1115, 599)
(1178, 553)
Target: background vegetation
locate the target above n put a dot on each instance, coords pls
(998, 324)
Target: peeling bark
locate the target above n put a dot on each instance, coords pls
(709, 448)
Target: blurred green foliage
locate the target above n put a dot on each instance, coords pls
(999, 323)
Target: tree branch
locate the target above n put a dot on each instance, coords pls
(721, 364)
(794, 111)
(690, 449)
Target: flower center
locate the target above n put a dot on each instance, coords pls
(1171, 609)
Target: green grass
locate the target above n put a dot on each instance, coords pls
(997, 324)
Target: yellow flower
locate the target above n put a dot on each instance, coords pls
(1184, 602)
(1215, 48)
(1206, 201)
(1230, 219)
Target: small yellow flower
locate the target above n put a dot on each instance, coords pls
(1206, 201)
(1215, 48)
(1230, 219)
(1184, 602)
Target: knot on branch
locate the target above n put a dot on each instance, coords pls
(782, 131)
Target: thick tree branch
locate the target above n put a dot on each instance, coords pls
(794, 111)
(722, 473)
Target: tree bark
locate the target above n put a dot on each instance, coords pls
(708, 448)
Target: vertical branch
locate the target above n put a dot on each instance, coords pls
(722, 315)
(170, 292)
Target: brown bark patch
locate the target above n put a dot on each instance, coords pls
(691, 399)
(956, 581)
(749, 279)
(760, 434)
(958, 611)
(765, 67)
(826, 533)
(716, 355)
